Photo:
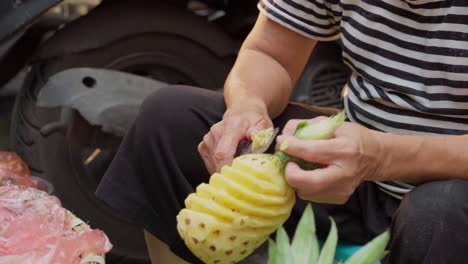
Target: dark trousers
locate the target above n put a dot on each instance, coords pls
(158, 165)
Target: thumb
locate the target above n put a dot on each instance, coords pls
(260, 125)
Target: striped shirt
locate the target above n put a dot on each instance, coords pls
(409, 60)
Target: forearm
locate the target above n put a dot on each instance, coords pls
(269, 64)
(417, 159)
(258, 79)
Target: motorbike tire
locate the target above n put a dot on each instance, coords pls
(54, 157)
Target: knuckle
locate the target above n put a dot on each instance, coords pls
(303, 195)
(293, 180)
(201, 148)
(315, 183)
(349, 191)
(345, 199)
(220, 155)
(341, 201)
(215, 128)
(232, 120)
(351, 149)
(263, 124)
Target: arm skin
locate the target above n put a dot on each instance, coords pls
(269, 64)
(257, 89)
(358, 154)
(420, 159)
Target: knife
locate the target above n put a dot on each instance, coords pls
(248, 146)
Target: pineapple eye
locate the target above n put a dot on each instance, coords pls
(187, 221)
(213, 248)
(195, 240)
(233, 238)
(229, 252)
(202, 225)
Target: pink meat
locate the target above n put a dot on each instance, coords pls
(35, 228)
(13, 169)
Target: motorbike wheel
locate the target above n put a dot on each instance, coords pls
(74, 157)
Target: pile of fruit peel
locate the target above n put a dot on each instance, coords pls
(35, 228)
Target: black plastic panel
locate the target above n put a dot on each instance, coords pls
(16, 14)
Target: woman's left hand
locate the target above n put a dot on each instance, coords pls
(352, 156)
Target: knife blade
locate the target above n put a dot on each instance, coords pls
(247, 146)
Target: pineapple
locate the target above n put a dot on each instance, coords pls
(227, 219)
(304, 248)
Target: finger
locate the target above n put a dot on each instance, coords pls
(318, 151)
(290, 127)
(233, 132)
(325, 199)
(209, 141)
(217, 130)
(337, 193)
(261, 125)
(205, 154)
(314, 181)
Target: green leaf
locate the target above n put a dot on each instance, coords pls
(284, 253)
(305, 247)
(372, 251)
(272, 252)
(327, 256)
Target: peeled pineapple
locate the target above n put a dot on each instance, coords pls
(227, 219)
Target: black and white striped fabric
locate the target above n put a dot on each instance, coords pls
(409, 60)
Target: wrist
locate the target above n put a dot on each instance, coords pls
(378, 153)
(399, 157)
(247, 104)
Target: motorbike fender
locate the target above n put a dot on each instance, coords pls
(105, 98)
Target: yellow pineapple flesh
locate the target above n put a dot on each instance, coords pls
(227, 219)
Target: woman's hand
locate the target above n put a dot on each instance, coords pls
(349, 158)
(219, 145)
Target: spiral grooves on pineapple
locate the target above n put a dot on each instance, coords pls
(227, 219)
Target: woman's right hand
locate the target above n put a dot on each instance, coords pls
(219, 145)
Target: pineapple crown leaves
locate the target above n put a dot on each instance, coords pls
(304, 248)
